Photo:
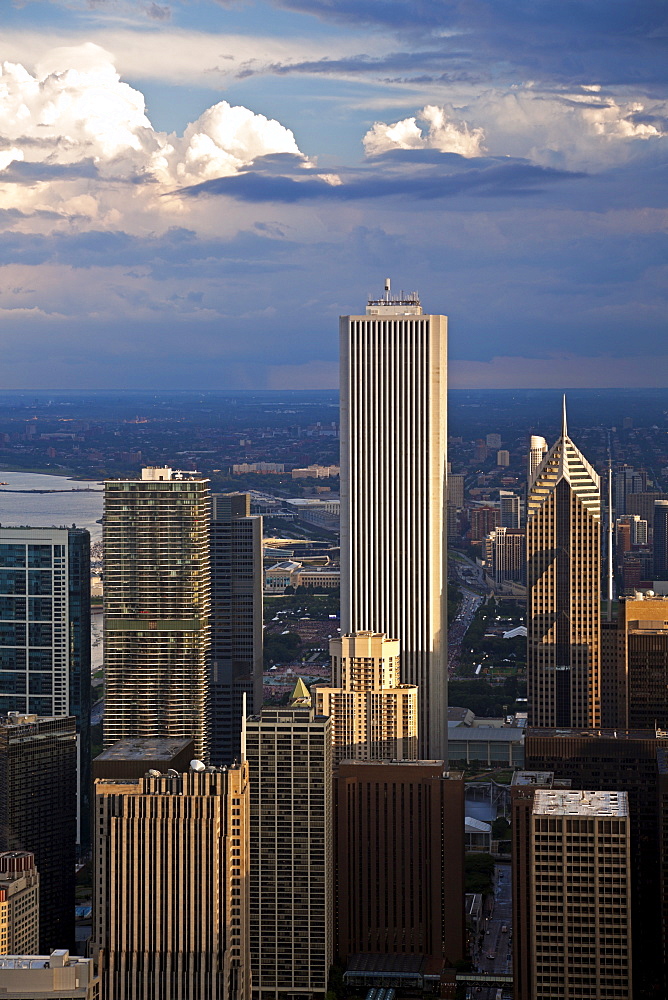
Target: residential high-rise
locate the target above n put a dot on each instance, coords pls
(510, 510)
(170, 885)
(400, 864)
(505, 559)
(157, 597)
(536, 454)
(660, 545)
(577, 896)
(627, 480)
(19, 904)
(236, 621)
(643, 624)
(563, 551)
(621, 761)
(455, 502)
(483, 520)
(59, 976)
(393, 493)
(374, 716)
(291, 890)
(38, 812)
(45, 624)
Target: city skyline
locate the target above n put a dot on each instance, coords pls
(193, 192)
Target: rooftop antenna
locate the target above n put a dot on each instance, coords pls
(564, 428)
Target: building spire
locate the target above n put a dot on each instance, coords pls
(564, 428)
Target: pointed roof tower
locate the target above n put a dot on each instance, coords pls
(301, 696)
(565, 461)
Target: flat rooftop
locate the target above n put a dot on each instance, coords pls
(558, 803)
(154, 749)
(537, 778)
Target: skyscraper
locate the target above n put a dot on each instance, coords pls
(510, 510)
(291, 891)
(537, 452)
(170, 899)
(45, 625)
(157, 585)
(38, 812)
(393, 493)
(504, 550)
(374, 716)
(577, 896)
(620, 761)
(661, 540)
(236, 621)
(400, 864)
(563, 552)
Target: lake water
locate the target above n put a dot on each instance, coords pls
(48, 510)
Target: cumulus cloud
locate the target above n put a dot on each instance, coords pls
(75, 108)
(441, 132)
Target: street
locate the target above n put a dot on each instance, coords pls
(457, 629)
(496, 941)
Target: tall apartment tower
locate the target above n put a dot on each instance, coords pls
(537, 452)
(236, 621)
(170, 897)
(38, 812)
(505, 557)
(400, 865)
(510, 509)
(563, 551)
(291, 891)
(455, 502)
(374, 716)
(577, 896)
(157, 602)
(19, 904)
(45, 624)
(393, 493)
(635, 668)
(660, 547)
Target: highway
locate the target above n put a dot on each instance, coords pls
(457, 629)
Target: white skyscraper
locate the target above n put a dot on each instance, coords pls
(537, 452)
(393, 493)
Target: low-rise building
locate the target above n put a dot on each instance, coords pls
(38, 977)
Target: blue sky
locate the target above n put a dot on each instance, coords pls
(192, 192)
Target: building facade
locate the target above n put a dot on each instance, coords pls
(577, 896)
(170, 900)
(291, 929)
(236, 622)
(374, 716)
(393, 492)
(563, 551)
(400, 861)
(537, 452)
(622, 761)
(157, 605)
(19, 904)
(38, 812)
(45, 635)
(505, 557)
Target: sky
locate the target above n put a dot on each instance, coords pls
(193, 191)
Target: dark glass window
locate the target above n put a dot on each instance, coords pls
(12, 634)
(13, 608)
(12, 683)
(40, 706)
(12, 555)
(39, 556)
(12, 659)
(40, 659)
(39, 634)
(39, 582)
(40, 609)
(12, 581)
(40, 683)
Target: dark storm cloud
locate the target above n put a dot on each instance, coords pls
(27, 172)
(447, 175)
(602, 42)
